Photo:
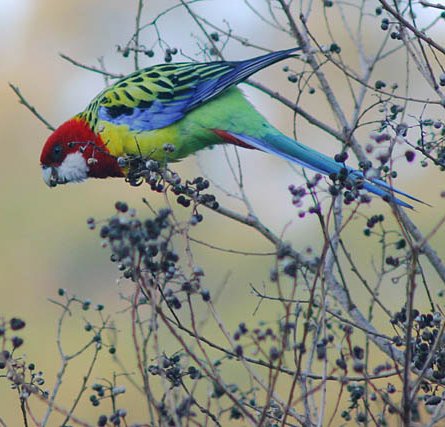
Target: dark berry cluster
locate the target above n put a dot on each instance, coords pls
(103, 391)
(161, 179)
(292, 76)
(334, 48)
(143, 249)
(23, 376)
(372, 222)
(169, 53)
(117, 418)
(191, 193)
(431, 142)
(356, 355)
(356, 394)
(10, 327)
(350, 185)
(289, 263)
(137, 245)
(426, 328)
(171, 369)
(322, 347)
(298, 194)
(131, 47)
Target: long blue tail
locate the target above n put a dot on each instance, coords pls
(295, 152)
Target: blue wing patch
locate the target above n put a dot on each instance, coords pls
(158, 115)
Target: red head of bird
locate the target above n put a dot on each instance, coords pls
(73, 152)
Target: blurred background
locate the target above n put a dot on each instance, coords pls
(45, 243)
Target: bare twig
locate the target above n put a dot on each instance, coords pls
(30, 107)
(435, 5)
(411, 27)
(90, 67)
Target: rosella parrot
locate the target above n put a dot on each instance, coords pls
(189, 106)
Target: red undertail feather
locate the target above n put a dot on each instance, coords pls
(230, 139)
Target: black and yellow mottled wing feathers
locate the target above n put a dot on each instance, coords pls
(155, 97)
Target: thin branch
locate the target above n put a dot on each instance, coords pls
(201, 27)
(331, 312)
(411, 27)
(33, 110)
(136, 34)
(435, 5)
(427, 249)
(230, 251)
(90, 67)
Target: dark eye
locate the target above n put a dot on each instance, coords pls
(57, 152)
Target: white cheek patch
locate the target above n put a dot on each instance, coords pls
(73, 169)
(46, 172)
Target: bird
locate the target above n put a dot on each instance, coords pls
(187, 106)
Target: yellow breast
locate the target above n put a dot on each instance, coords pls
(121, 141)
